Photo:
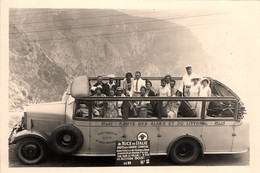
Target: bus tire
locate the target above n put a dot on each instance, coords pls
(66, 139)
(30, 150)
(185, 151)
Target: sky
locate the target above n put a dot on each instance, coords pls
(229, 36)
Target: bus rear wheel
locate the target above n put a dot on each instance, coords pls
(185, 151)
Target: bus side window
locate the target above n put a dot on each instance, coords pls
(141, 109)
(190, 109)
(83, 109)
(98, 109)
(220, 109)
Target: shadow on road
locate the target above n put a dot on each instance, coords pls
(77, 161)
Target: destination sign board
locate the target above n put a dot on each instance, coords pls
(133, 153)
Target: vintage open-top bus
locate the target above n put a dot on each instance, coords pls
(218, 127)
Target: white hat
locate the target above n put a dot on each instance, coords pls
(205, 79)
(195, 77)
(93, 88)
(111, 76)
(119, 89)
(188, 66)
(98, 87)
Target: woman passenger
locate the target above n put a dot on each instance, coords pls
(141, 106)
(173, 106)
(149, 92)
(205, 90)
(194, 92)
(98, 107)
(112, 106)
(127, 83)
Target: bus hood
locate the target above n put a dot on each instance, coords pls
(53, 108)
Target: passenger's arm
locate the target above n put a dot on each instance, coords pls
(209, 93)
(181, 85)
(132, 89)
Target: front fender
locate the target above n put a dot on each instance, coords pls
(31, 134)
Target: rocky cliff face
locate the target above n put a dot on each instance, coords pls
(49, 47)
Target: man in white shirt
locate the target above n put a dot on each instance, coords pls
(110, 84)
(164, 91)
(186, 80)
(136, 85)
(168, 80)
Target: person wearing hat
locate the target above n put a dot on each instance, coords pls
(111, 83)
(136, 85)
(98, 107)
(102, 84)
(127, 83)
(186, 80)
(194, 92)
(205, 90)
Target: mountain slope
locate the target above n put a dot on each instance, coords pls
(45, 55)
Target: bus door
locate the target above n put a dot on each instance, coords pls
(100, 132)
(104, 132)
(82, 121)
(219, 126)
(142, 125)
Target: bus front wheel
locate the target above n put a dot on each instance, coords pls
(31, 150)
(185, 151)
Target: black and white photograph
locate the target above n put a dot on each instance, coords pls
(167, 86)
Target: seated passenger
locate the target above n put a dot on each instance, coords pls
(172, 87)
(119, 93)
(164, 91)
(111, 83)
(92, 91)
(82, 111)
(112, 106)
(149, 92)
(98, 107)
(141, 106)
(173, 106)
(168, 79)
(127, 83)
(103, 85)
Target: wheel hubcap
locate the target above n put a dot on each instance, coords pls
(30, 151)
(185, 151)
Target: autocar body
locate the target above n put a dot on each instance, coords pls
(56, 127)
